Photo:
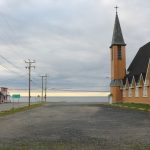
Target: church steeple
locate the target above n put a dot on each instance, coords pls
(117, 38)
(118, 61)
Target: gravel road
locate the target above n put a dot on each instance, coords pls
(75, 126)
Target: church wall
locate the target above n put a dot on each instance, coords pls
(143, 100)
(139, 99)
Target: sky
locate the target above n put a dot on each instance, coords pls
(68, 39)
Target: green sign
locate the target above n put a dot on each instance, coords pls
(16, 96)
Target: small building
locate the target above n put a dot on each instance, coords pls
(3, 95)
(132, 84)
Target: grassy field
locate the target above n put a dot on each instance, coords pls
(20, 109)
(137, 106)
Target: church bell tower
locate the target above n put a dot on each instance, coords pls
(118, 61)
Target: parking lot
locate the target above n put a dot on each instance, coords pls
(76, 126)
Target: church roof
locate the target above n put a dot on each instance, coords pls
(140, 62)
(117, 38)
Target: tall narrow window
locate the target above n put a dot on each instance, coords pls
(145, 93)
(130, 92)
(124, 92)
(137, 91)
(119, 53)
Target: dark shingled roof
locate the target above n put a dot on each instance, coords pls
(117, 38)
(140, 63)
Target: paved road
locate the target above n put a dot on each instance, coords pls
(8, 106)
(67, 126)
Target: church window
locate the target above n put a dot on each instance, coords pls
(137, 92)
(119, 53)
(145, 94)
(130, 92)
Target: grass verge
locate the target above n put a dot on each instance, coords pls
(20, 109)
(78, 145)
(137, 106)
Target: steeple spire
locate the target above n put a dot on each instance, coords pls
(117, 38)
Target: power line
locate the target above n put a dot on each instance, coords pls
(13, 41)
(10, 38)
(8, 61)
(11, 71)
(5, 18)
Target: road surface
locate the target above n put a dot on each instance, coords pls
(75, 126)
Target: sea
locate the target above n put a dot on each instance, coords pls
(82, 99)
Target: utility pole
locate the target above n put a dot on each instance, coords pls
(42, 87)
(29, 66)
(45, 86)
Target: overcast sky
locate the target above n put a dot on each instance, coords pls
(69, 39)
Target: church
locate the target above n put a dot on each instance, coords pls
(133, 84)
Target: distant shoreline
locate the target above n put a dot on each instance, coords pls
(85, 99)
(66, 93)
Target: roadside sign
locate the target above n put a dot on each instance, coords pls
(16, 96)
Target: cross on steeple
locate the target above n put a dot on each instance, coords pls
(116, 8)
(117, 38)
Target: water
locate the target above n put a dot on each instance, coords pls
(97, 99)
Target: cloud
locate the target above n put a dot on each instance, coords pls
(68, 39)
